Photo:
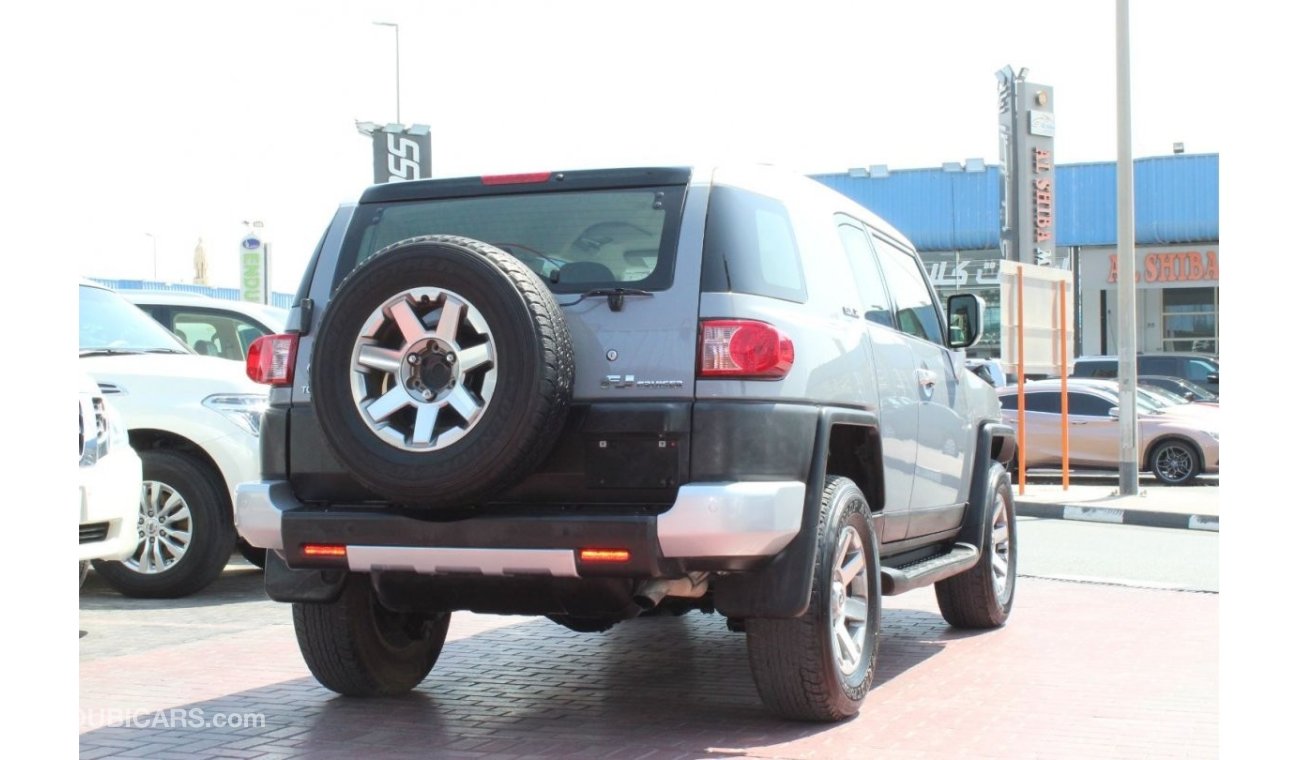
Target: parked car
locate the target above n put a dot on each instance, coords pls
(988, 370)
(194, 421)
(1198, 368)
(210, 326)
(1176, 448)
(1185, 388)
(108, 477)
(595, 395)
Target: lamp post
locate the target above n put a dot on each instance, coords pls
(397, 57)
(150, 235)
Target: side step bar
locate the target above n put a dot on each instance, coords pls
(896, 580)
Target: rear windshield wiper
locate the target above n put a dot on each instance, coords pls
(615, 296)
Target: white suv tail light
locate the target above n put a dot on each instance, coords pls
(744, 349)
(270, 359)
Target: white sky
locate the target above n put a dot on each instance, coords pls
(188, 119)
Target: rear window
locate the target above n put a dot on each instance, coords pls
(749, 247)
(574, 240)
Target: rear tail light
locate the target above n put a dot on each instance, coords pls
(270, 359)
(746, 349)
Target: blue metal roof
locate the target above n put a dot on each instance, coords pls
(283, 300)
(1176, 200)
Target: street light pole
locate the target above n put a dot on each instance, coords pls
(155, 253)
(397, 56)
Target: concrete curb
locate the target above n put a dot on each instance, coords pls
(1147, 518)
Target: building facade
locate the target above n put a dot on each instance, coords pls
(952, 214)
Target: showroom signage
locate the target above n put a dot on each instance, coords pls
(1166, 267)
(253, 279)
(1026, 131)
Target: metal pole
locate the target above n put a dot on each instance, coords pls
(1128, 431)
(1020, 373)
(1065, 401)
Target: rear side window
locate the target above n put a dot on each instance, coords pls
(574, 240)
(914, 306)
(749, 247)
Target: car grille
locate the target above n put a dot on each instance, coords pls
(94, 532)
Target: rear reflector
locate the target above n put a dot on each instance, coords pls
(270, 359)
(516, 179)
(744, 349)
(324, 550)
(604, 555)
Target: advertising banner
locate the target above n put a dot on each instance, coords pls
(253, 280)
(402, 153)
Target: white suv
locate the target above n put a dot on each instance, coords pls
(210, 326)
(194, 420)
(108, 476)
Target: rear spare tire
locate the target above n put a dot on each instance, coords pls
(442, 371)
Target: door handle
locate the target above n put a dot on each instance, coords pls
(927, 378)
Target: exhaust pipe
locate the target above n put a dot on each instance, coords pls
(651, 593)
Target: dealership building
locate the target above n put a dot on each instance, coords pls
(953, 215)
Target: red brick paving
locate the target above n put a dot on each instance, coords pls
(1086, 671)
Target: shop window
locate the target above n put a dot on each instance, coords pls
(1190, 319)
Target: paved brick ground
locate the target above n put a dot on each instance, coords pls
(1086, 671)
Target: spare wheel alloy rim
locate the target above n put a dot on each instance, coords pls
(424, 369)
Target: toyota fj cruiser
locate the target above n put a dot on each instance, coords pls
(601, 394)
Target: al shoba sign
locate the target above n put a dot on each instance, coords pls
(1172, 267)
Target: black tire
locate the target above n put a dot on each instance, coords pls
(358, 648)
(254, 555)
(522, 411)
(981, 597)
(795, 662)
(1175, 462)
(85, 568)
(210, 527)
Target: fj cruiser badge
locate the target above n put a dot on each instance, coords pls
(630, 381)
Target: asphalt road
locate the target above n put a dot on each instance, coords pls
(1125, 554)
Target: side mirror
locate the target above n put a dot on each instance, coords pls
(1113, 412)
(965, 320)
(1213, 377)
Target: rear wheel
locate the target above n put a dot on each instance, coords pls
(981, 597)
(819, 665)
(359, 648)
(185, 529)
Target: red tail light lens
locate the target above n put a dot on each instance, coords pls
(742, 348)
(270, 359)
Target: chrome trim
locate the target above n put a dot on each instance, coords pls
(732, 519)
(431, 560)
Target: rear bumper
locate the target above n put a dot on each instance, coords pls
(720, 525)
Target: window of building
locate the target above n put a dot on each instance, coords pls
(1190, 318)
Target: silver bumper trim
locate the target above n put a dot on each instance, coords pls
(744, 519)
(258, 507)
(558, 563)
